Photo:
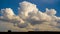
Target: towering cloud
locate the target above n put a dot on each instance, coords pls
(26, 8)
(30, 18)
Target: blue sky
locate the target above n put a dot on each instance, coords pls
(41, 4)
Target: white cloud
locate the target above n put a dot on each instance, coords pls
(7, 13)
(29, 19)
(51, 11)
(26, 7)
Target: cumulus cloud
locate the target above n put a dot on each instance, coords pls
(29, 18)
(26, 7)
(51, 11)
(7, 13)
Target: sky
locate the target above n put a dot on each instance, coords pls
(41, 5)
(32, 13)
